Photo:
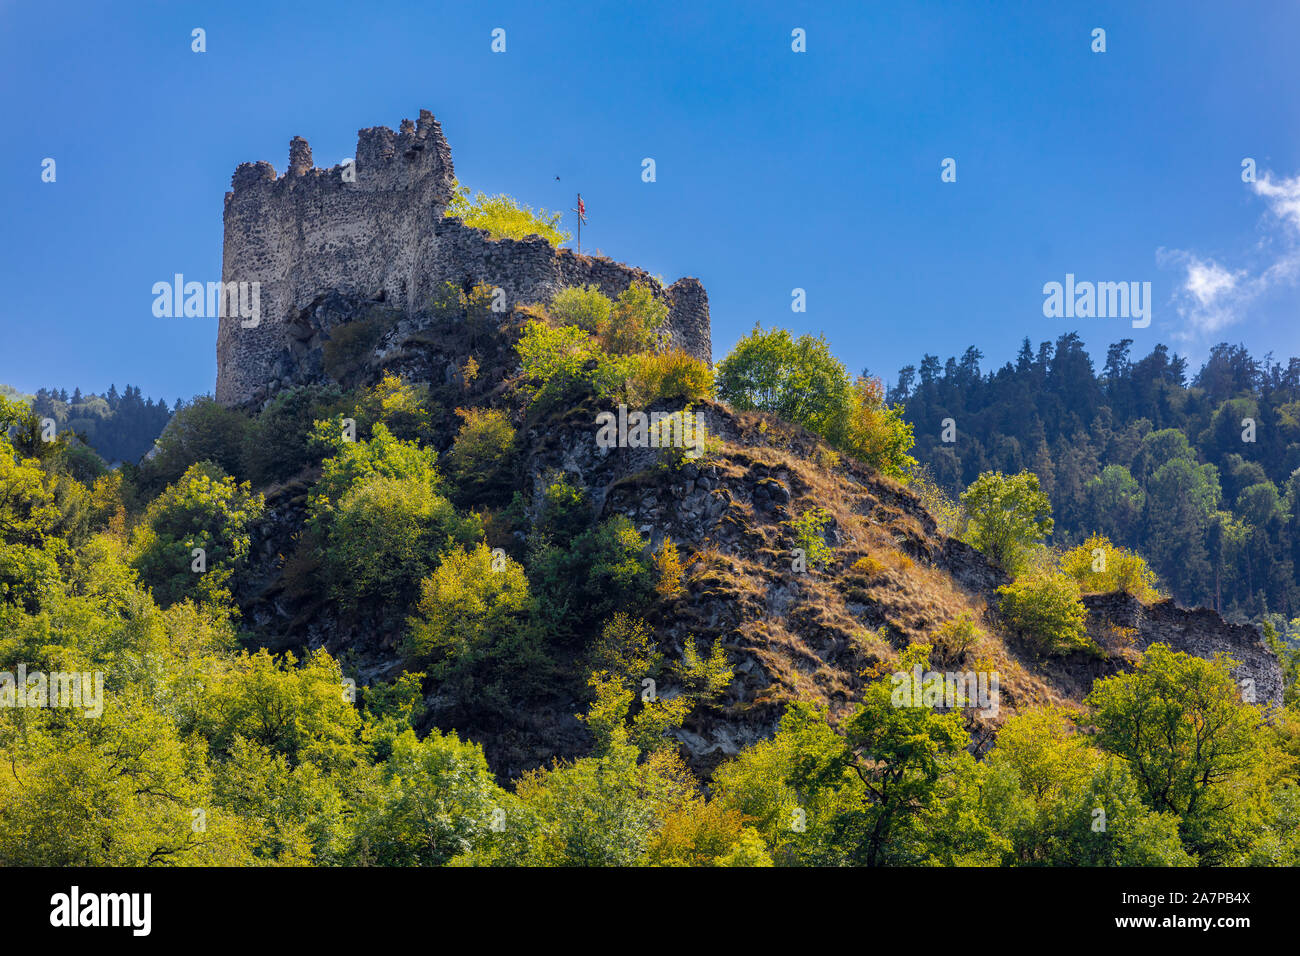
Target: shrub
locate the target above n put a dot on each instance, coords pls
(384, 535)
(635, 321)
(947, 513)
(1045, 607)
(382, 454)
(379, 515)
(1098, 566)
(565, 513)
(867, 566)
(953, 638)
(277, 443)
(797, 379)
(453, 304)
(873, 432)
(626, 649)
(898, 561)
(504, 217)
(402, 407)
(585, 307)
(810, 536)
(201, 431)
(481, 460)
(668, 566)
(603, 570)
(669, 376)
(554, 362)
(802, 382)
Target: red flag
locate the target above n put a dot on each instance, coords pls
(582, 209)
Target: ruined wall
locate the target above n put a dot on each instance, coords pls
(1198, 631)
(311, 230)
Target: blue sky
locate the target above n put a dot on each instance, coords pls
(775, 169)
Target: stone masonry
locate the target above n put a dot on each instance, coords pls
(385, 235)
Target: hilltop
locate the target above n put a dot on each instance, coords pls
(788, 635)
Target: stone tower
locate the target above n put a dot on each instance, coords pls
(377, 227)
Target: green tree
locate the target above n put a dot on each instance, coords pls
(635, 321)
(472, 598)
(437, 799)
(385, 534)
(706, 833)
(205, 510)
(597, 811)
(32, 530)
(400, 406)
(556, 364)
(277, 444)
(868, 794)
(1181, 498)
(1193, 745)
(1007, 517)
(380, 515)
(119, 790)
(797, 379)
(203, 430)
(1062, 803)
(604, 569)
(874, 432)
(1115, 499)
(303, 711)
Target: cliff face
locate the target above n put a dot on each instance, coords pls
(377, 230)
(812, 635)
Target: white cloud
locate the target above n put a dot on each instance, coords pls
(1283, 198)
(1211, 295)
(1209, 282)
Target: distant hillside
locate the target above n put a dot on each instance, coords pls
(119, 426)
(1168, 466)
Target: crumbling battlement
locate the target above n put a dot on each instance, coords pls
(1198, 631)
(378, 230)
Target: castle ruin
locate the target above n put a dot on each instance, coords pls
(378, 230)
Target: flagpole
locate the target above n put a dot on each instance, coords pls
(578, 211)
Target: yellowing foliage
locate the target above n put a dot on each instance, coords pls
(1099, 566)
